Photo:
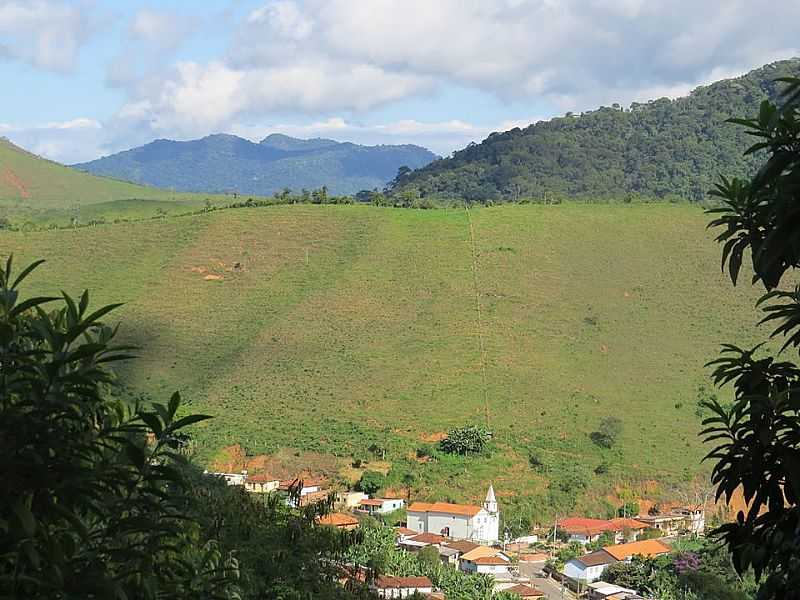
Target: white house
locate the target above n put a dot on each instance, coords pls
(489, 561)
(401, 587)
(585, 531)
(261, 484)
(380, 506)
(230, 478)
(600, 590)
(458, 521)
(589, 567)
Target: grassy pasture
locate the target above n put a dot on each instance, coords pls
(330, 328)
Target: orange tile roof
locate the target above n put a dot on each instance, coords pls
(405, 531)
(643, 548)
(488, 560)
(469, 510)
(337, 520)
(480, 552)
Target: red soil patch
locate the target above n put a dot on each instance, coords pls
(10, 178)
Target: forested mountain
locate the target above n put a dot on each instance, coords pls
(657, 149)
(226, 163)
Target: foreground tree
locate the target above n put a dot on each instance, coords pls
(757, 438)
(93, 497)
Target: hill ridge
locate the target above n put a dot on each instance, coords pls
(225, 162)
(657, 149)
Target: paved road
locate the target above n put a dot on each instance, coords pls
(551, 589)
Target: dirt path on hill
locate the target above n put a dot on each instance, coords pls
(10, 178)
(479, 315)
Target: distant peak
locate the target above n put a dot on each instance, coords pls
(285, 142)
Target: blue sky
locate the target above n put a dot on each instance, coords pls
(90, 77)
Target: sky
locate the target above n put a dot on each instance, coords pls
(86, 78)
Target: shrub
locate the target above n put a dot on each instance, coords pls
(607, 432)
(371, 482)
(466, 440)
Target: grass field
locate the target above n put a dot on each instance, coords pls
(326, 329)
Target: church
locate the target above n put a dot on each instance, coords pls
(480, 524)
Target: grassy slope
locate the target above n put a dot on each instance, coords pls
(42, 191)
(347, 325)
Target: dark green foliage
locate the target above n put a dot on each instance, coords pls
(226, 163)
(371, 482)
(757, 439)
(628, 509)
(89, 506)
(282, 552)
(607, 432)
(466, 440)
(662, 149)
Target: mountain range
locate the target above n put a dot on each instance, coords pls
(227, 163)
(659, 149)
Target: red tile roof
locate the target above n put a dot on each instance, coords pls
(525, 591)
(371, 502)
(621, 524)
(428, 538)
(388, 582)
(405, 531)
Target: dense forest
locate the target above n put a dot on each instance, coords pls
(659, 149)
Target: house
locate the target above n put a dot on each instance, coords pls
(302, 492)
(261, 484)
(401, 587)
(586, 531)
(421, 540)
(230, 478)
(489, 561)
(380, 506)
(589, 567)
(403, 533)
(339, 521)
(350, 500)
(449, 556)
(600, 590)
(524, 591)
(458, 521)
(647, 548)
(675, 519)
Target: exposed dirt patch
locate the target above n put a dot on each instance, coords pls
(11, 179)
(436, 436)
(284, 464)
(603, 348)
(212, 277)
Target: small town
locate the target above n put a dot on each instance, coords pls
(564, 560)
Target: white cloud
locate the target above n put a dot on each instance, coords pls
(198, 98)
(44, 33)
(160, 28)
(69, 141)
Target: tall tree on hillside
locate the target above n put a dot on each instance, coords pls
(757, 438)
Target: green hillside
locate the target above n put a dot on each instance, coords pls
(662, 148)
(31, 182)
(332, 328)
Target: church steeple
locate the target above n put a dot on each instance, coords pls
(490, 504)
